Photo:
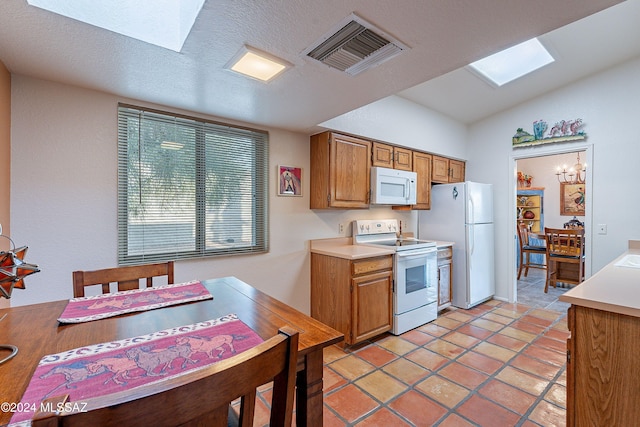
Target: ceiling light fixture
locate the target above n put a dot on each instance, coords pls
(515, 62)
(164, 23)
(575, 173)
(256, 64)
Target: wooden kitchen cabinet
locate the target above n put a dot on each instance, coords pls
(354, 297)
(390, 156)
(447, 170)
(603, 368)
(422, 167)
(445, 279)
(340, 171)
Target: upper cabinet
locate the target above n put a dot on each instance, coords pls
(393, 157)
(422, 167)
(447, 170)
(340, 171)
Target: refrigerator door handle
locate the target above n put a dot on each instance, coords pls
(471, 211)
(472, 242)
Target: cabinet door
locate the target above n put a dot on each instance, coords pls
(444, 285)
(422, 167)
(372, 309)
(350, 169)
(402, 159)
(382, 155)
(389, 156)
(456, 168)
(440, 171)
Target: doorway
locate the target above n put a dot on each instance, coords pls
(542, 163)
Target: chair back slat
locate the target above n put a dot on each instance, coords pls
(565, 246)
(126, 278)
(565, 242)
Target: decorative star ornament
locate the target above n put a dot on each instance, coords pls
(13, 270)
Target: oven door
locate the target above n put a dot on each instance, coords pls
(416, 279)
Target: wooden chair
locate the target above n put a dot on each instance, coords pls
(127, 278)
(201, 397)
(527, 249)
(565, 256)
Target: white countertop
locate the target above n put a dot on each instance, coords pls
(441, 244)
(614, 289)
(342, 247)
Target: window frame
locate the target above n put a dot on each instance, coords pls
(257, 140)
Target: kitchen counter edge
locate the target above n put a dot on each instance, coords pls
(613, 289)
(343, 247)
(441, 244)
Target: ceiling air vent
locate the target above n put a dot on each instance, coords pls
(355, 47)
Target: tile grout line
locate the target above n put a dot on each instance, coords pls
(449, 411)
(523, 417)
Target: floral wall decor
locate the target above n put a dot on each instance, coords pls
(562, 131)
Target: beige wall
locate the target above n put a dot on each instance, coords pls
(5, 154)
(5, 148)
(65, 189)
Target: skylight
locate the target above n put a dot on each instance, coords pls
(515, 62)
(164, 23)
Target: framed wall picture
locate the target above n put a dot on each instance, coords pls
(572, 199)
(289, 181)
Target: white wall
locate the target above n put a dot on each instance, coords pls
(64, 169)
(608, 105)
(405, 123)
(64, 198)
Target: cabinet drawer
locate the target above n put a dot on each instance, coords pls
(370, 265)
(445, 253)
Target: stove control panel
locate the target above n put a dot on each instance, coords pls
(375, 226)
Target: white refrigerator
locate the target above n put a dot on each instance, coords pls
(462, 213)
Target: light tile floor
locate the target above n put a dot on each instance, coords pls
(531, 291)
(494, 365)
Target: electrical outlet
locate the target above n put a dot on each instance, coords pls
(602, 228)
(341, 228)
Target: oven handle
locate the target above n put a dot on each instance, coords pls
(415, 255)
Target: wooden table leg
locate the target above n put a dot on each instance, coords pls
(309, 391)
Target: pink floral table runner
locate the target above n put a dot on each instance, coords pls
(86, 309)
(111, 367)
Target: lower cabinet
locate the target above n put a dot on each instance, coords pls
(354, 297)
(445, 282)
(603, 367)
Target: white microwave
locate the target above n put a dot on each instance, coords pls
(393, 186)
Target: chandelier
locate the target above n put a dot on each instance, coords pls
(575, 175)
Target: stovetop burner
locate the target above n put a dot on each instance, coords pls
(384, 233)
(399, 242)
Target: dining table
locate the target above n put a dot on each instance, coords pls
(35, 330)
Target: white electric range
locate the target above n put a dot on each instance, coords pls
(415, 272)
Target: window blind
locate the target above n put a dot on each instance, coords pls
(188, 187)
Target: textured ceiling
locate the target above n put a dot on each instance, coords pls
(443, 36)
